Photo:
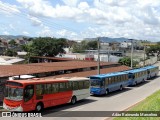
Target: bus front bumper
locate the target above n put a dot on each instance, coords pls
(16, 109)
(97, 91)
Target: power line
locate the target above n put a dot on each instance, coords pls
(49, 23)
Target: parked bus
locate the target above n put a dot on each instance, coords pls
(136, 76)
(36, 94)
(152, 71)
(105, 83)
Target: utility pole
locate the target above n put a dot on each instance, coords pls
(98, 60)
(131, 53)
(144, 55)
(108, 53)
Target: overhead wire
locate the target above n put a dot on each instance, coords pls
(51, 24)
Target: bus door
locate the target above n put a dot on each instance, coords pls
(29, 98)
(131, 77)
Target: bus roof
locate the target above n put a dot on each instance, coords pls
(37, 80)
(72, 78)
(49, 80)
(150, 67)
(135, 70)
(109, 74)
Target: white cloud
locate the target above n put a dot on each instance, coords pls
(113, 18)
(71, 3)
(83, 5)
(8, 9)
(67, 34)
(35, 21)
(25, 33)
(6, 33)
(12, 27)
(45, 32)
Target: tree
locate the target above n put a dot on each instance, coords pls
(46, 46)
(10, 52)
(28, 48)
(84, 45)
(92, 45)
(12, 43)
(127, 61)
(153, 49)
(77, 48)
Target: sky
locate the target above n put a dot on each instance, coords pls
(79, 19)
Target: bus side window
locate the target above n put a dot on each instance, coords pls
(80, 84)
(69, 86)
(133, 76)
(106, 81)
(55, 87)
(39, 89)
(109, 80)
(86, 84)
(119, 78)
(62, 87)
(75, 85)
(116, 79)
(48, 88)
(122, 78)
(28, 92)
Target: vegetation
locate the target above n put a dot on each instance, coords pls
(151, 103)
(84, 45)
(45, 46)
(127, 61)
(10, 52)
(153, 49)
(12, 43)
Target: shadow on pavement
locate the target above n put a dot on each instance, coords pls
(113, 93)
(53, 111)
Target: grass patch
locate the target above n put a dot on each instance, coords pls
(151, 103)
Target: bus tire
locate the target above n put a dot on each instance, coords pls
(73, 100)
(143, 81)
(135, 83)
(155, 75)
(39, 107)
(107, 92)
(121, 88)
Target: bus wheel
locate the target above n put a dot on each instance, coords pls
(107, 91)
(73, 100)
(121, 88)
(143, 80)
(39, 107)
(135, 83)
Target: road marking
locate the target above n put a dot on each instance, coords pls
(117, 96)
(77, 109)
(105, 118)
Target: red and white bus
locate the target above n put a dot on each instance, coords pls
(36, 94)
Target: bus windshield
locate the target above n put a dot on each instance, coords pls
(13, 93)
(96, 83)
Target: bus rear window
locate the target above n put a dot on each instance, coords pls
(14, 84)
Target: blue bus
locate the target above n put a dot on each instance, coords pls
(152, 71)
(105, 83)
(136, 76)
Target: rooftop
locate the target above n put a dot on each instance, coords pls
(93, 72)
(12, 70)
